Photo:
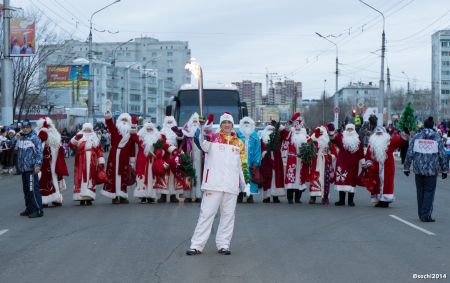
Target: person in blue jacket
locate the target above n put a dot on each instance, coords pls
(426, 153)
(250, 139)
(29, 161)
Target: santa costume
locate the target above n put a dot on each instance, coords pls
(89, 164)
(173, 182)
(189, 144)
(297, 171)
(347, 163)
(271, 166)
(51, 182)
(250, 138)
(146, 138)
(121, 158)
(322, 172)
(380, 161)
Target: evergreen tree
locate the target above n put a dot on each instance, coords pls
(407, 119)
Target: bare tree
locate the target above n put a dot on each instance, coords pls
(28, 85)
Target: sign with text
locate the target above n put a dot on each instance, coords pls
(22, 37)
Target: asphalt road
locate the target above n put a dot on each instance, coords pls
(271, 243)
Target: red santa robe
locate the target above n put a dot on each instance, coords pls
(384, 172)
(53, 168)
(273, 172)
(121, 160)
(322, 171)
(297, 172)
(347, 165)
(89, 161)
(173, 182)
(145, 178)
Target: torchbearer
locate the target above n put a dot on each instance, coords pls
(347, 163)
(54, 166)
(225, 169)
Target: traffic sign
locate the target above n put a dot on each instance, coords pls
(336, 110)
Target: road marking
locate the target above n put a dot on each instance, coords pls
(3, 231)
(412, 225)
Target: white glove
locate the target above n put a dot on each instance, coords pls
(108, 108)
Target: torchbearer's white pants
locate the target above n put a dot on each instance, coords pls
(211, 202)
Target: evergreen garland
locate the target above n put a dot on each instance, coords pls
(187, 168)
(407, 119)
(274, 140)
(307, 152)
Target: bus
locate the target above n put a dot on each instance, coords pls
(216, 100)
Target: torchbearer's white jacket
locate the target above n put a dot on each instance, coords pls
(225, 163)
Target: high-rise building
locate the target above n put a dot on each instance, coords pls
(359, 95)
(286, 92)
(250, 93)
(440, 72)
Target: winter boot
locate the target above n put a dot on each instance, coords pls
(240, 197)
(312, 200)
(298, 196)
(266, 200)
(173, 199)
(341, 199)
(290, 196)
(350, 199)
(123, 200)
(163, 198)
(250, 199)
(276, 200)
(114, 201)
(188, 200)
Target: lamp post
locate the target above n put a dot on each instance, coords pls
(335, 99)
(383, 49)
(407, 86)
(90, 103)
(323, 102)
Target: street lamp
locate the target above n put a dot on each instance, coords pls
(383, 49)
(323, 102)
(90, 103)
(407, 88)
(336, 103)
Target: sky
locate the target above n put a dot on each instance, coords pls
(236, 40)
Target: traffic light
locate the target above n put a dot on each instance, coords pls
(353, 112)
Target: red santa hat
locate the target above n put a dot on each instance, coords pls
(44, 122)
(331, 129)
(226, 117)
(295, 117)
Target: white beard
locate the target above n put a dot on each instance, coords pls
(54, 138)
(91, 139)
(124, 128)
(351, 141)
(247, 129)
(149, 140)
(265, 136)
(191, 130)
(171, 137)
(298, 137)
(322, 141)
(378, 146)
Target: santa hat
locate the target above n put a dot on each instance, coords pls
(350, 126)
(331, 129)
(246, 120)
(379, 129)
(170, 118)
(44, 122)
(295, 117)
(87, 126)
(226, 117)
(124, 116)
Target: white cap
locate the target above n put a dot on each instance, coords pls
(350, 126)
(226, 117)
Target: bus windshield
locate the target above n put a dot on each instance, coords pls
(214, 102)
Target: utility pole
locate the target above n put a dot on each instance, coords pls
(383, 49)
(336, 102)
(389, 100)
(323, 103)
(7, 69)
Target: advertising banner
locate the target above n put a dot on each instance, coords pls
(22, 37)
(69, 80)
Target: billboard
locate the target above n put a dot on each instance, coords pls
(22, 37)
(69, 79)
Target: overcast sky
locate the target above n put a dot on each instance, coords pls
(238, 40)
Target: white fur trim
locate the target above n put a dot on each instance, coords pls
(345, 188)
(172, 148)
(101, 160)
(55, 197)
(387, 198)
(124, 116)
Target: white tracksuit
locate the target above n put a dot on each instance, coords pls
(221, 179)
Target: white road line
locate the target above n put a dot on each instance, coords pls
(3, 231)
(412, 225)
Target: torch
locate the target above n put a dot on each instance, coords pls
(194, 67)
